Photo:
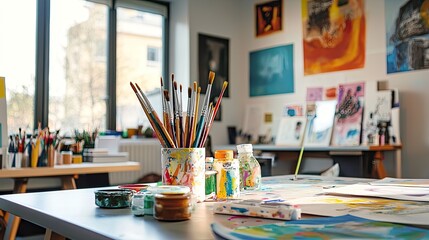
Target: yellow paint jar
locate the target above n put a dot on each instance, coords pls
(228, 175)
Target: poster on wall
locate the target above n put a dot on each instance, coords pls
(271, 71)
(407, 35)
(213, 55)
(348, 115)
(268, 17)
(333, 35)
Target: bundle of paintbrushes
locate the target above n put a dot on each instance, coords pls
(176, 130)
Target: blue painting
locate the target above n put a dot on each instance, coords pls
(407, 35)
(271, 71)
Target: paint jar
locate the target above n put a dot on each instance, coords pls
(250, 170)
(210, 185)
(228, 175)
(138, 204)
(66, 157)
(113, 198)
(209, 163)
(149, 200)
(172, 207)
(186, 167)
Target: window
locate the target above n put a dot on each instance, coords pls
(17, 61)
(80, 78)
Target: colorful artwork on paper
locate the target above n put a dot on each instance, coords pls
(184, 166)
(320, 126)
(314, 94)
(268, 17)
(333, 35)
(407, 35)
(293, 110)
(341, 227)
(291, 131)
(348, 115)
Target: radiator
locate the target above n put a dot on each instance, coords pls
(145, 151)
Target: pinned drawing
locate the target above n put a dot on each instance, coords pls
(291, 131)
(348, 115)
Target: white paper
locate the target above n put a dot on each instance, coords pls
(402, 182)
(291, 131)
(319, 130)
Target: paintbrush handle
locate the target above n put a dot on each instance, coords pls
(198, 133)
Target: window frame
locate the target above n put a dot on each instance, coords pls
(41, 97)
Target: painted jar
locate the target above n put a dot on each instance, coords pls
(250, 170)
(228, 175)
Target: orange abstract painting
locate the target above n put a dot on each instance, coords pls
(333, 35)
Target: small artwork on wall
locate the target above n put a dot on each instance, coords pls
(268, 17)
(271, 71)
(333, 35)
(407, 35)
(213, 55)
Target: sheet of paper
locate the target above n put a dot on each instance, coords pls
(402, 182)
(392, 192)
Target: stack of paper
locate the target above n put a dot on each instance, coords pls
(102, 155)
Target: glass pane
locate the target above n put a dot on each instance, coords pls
(17, 61)
(78, 65)
(139, 60)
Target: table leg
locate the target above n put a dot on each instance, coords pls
(378, 170)
(68, 182)
(398, 159)
(20, 186)
(51, 235)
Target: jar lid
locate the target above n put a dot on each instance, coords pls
(172, 195)
(169, 189)
(224, 154)
(244, 148)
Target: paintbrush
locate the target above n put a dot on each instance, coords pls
(187, 119)
(164, 106)
(151, 120)
(170, 121)
(204, 110)
(182, 137)
(310, 117)
(192, 120)
(215, 110)
(176, 115)
(161, 129)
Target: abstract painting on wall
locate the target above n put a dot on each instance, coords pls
(271, 71)
(333, 35)
(407, 35)
(348, 115)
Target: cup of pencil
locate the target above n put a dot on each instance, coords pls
(182, 134)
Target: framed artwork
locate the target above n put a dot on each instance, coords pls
(3, 122)
(271, 71)
(333, 43)
(291, 131)
(268, 17)
(213, 55)
(407, 35)
(348, 115)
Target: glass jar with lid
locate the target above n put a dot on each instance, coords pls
(250, 170)
(228, 174)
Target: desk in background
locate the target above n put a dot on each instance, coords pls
(354, 161)
(73, 214)
(67, 174)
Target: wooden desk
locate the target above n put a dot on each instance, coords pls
(73, 213)
(372, 153)
(67, 173)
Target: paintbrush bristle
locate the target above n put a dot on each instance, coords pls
(199, 90)
(225, 84)
(134, 88)
(180, 87)
(195, 86)
(175, 85)
(211, 77)
(166, 95)
(189, 92)
(162, 84)
(137, 86)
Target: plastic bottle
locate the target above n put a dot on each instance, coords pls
(250, 170)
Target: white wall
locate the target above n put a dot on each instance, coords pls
(235, 20)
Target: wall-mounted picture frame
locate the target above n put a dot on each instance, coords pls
(268, 17)
(213, 55)
(271, 71)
